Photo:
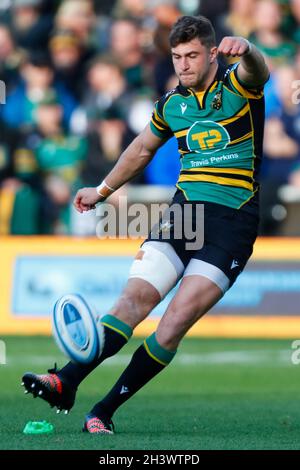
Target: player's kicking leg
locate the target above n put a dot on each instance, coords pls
(196, 295)
(152, 276)
(59, 387)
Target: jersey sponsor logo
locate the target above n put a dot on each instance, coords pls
(207, 137)
(183, 107)
(213, 160)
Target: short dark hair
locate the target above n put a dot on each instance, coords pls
(190, 27)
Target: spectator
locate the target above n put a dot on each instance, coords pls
(267, 35)
(282, 138)
(107, 87)
(295, 9)
(131, 8)
(126, 47)
(79, 17)
(239, 21)
(105, 7)
(19, 186)
(165, 16)
(59, 156)
(8, 144)
(10, 58)
(69, 58)
(5, 7)
(281, 149)
(31, 28)
(36, 78)
(213, 10)
(107, 138)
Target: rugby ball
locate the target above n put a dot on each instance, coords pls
(77, 329)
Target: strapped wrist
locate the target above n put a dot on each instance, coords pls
(104, 190)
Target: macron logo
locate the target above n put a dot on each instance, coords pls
(124, 390)
(183, 107)
(235, 264)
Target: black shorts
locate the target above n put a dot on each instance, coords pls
(228, 237)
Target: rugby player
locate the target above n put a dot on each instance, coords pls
(217, 115)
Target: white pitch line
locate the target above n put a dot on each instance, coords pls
(264, 357)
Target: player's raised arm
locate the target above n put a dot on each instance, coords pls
(132, 161)
(252, 69)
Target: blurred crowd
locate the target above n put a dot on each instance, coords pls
(81, 78)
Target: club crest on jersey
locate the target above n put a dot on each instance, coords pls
(217, 101)
(207, 137)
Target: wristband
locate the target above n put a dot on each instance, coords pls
(104, 190)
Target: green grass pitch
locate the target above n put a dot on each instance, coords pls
(217, 394)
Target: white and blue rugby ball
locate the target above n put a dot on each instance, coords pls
(77, 329)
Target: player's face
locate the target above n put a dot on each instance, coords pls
(192, 63)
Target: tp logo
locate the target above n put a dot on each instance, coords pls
(207, 137)
(2, 353)
(295, 358)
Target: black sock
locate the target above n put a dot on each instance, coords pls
(147, 361)
(116, 335)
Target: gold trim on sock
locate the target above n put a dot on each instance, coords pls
(116, 329)
(152, 356)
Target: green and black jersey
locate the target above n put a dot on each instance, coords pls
(219, 134)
